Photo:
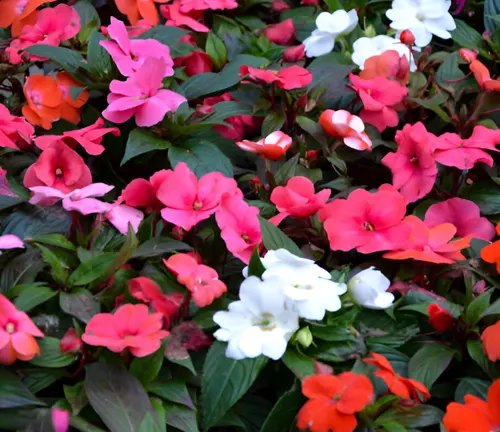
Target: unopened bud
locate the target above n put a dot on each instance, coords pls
(487, 35)
(468, 55)
(407, 37)
(322, 368)
(311, 155)
(305, 337)
(70, 343)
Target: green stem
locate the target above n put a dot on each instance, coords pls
(83, 425)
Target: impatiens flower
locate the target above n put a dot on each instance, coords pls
(306, 284)
(17, 333)
(294, 54)
(491, 252)
(10, 241)
(272, 147)
(365, 221)
(44, 100)
(413, 167)
(279, 5)
(191, 20)
(366, 48)
(423, 18)
(129, 55)
(186, 336)
(121, 216)
(329, 27)
(19, 13)
(490, 339)
(188, 200)
(190, 5)
(142, 96)
(144, 289)
(476, 415)
(14, 131)
(60, 419)
(389, 64)
(131, 326)
(289, 78)
(4, 184)
(60, 168)
(430, 244)
(142, 193)
(70, 342)
(346, 126)
(439, 317)
(404, 387)
(282, 33)
(239, 225)
(297, 199)
(70, 107)
(195, 63)
(137, 9)
(201, 280)
(90, 138)
(462, 213)
(380, 97)
(333, 401)
(260, 323)
(452, 150)
(369, 288)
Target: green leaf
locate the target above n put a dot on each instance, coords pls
(117, 397)
(68, 59)
(159, 246)
(89, 19)
(31, 296)
(79, 303)
(287, 170)
(59, 269)
(51, 355)
(39, 379)
(145, 369)
(486, 195)
(273, 122)
(140, 141)
(76, 397)
(224, 110)
(173, 391)
(337, 162)
(329, 82)
(466, 37)
(201, 157)
(167, 35)
(273, 239)
(471, 386)
(433, 105)
(98, 59)
(225, 381)
(429, 362)
(283, 414)
(301, 365)
(417, 416)
(475, 349)
(216, 49)
(492, 310)
(23, 269)
(54, 240)
(255, 266)
(491, 8)
(477, 308)
(91, 270)
(449, 77)
(312, 128)
(13, 393)
(181, 417)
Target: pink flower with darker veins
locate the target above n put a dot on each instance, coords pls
(142, 96)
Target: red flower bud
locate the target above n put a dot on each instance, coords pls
(311, 155)
(309, 2)
(479, 288)
(294, 54)
(118, 301)
(70, 343)
(255, 183)
(197, 62)
(178, 233)
(468, 55)
(322, 368)
(279, 5)
(282, 33)
(439, 317)
(407, 38)
(189, 39)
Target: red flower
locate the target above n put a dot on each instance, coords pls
(475, 415)
(294, 53)
(404, 387)
(491, 252)
(279, 5)
(70, 342)
(439, 317)
(389, 64)
(334, 400)
(491, 338)
(195, 63)
(142, 193)
(288, 78)
(282, 33)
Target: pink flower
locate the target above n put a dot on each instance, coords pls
(452, 150)
(142, 95)
(297, 199)
(17, 333)
(240, 226)
(379, 96)
(174, 16)
(188, 200)
(131, 326)
(350, 128)
(294, 53)
(282, 33)
(10, 241)
(4, 184)
(462, 213)
(60, 168)
(201, 280)
(14, 130)
(365, 221)
(430, 244)
(413, 167)
(140, 27)
(190, 5)
(60, 420)
(142, 193)
(90, 138)
(195, 63)
(130, 55)
(279, 5)
(272, 147)
(288, 78)
(120, 216)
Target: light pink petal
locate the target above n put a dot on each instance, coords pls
(154, 109)
(121, 215)
(60, 420)
(85, 206)
(118, 32)
(92, 190)
(10, 241)
(118, 116)
(45, 196)
(186, 219)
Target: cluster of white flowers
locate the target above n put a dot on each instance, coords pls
(267, 314)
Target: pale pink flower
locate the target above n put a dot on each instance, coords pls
(60, 420)
(10, 241)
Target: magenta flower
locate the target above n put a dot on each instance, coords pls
(129, 55)
(142, 96)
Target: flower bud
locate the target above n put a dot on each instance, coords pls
(282, 33)
(197, 62)
(370, 31)
(407, 37)
(311, 155)
(479, 288)
(178, 233)
(70, 343)
(255, 183)
(439, 317)
(279, 6)
(369, 289)
(322, 368)
(304, 337)
(294, 54)
(468, 55)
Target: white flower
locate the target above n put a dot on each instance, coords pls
(423, 18)
(329, 26)
(364, 48)
(261, 322)
(369, 289)
(307, 284)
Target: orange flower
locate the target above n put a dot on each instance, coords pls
(135, 9)
(389, 64)
(475, 415)
(491, 338)
(70, 108)
(483, 77)
(333, 401)
(271, 147)
(404, 387)
(19, 13)
(491, 253)
(44, 101)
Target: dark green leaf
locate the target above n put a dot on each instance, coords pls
(23, 269)
(329, 80)
(312, 128)
(417, 416)
(79, 303)
(54, 240)
(255, 266)
(225, 381)
(145, 369)
(117, 396)
(477, 308)
(51, 355)
(98, 59)
(89, 19)
(466, 37)
(283, 414)
(167, 35)
(158, 246)
(141, 141)
(31, 296)
(287, 170)
(91, 269)
(493, 309)
(59, 269)
(76, 397)
(273, 122)
(274, 239)
(475, 349)
(429, 362)
(485, 195)
(491, 8)
(433, 105)
(173, 391)
(39, 379)
(13, 393)
(301, 365)
(450, 77)
(181, 417)
(216, 49)
(472, 386)
(224, 110)
(68, 59)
